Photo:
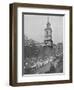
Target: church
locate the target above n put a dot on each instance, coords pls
(48, 48)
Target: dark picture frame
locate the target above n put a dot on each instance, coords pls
(13, 43)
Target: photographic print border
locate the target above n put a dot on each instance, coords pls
(13, 43)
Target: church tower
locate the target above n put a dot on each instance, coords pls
(48, 34)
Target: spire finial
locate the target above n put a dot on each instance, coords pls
(47, 19)
(48, 23)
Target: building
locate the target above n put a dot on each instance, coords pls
(48, 49)
(48, 34)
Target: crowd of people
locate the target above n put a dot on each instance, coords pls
(33, 64)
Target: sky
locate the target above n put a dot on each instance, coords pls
(34, 27)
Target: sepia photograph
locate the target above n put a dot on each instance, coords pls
(42, 43)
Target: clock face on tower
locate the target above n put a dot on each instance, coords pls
(49, 43)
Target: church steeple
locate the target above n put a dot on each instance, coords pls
(48, 24)
(48, 34)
